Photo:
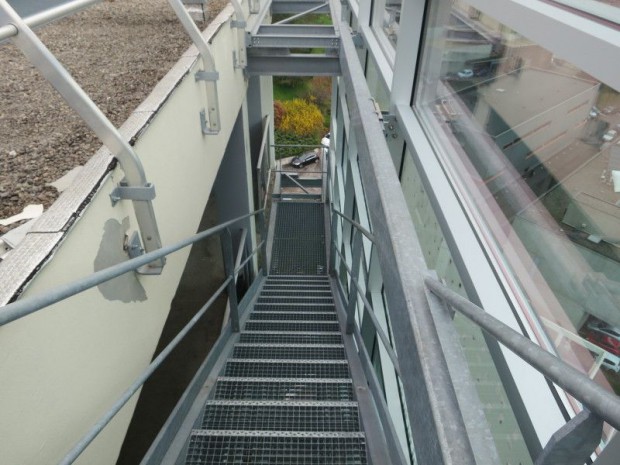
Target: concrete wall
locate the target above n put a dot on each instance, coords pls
(66, 365)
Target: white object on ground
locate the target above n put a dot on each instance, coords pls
(16, 235)
(615, 177)
(65, 181)
(29, 212)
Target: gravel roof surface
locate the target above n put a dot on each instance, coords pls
(117, 51)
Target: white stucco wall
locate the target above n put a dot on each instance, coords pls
(62, 367)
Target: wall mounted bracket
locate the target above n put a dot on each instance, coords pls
(126, 192)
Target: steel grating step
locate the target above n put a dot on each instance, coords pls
(296, 277)
(296, 292)
(306, 285)
(289, 316)
(293, 300)
(290, 351)
(270, 448)
(283, 307)
(284, 337)
(289, 326)
(283, 389)
(265, 368)
(269, 415)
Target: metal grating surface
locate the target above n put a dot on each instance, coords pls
(292, 338)
(294, 299)
(278, 450)
(251, 368)
(292, 292)
(301, 316)
(281, 416)
(270, 325)
(309, 352)
(299, 240)
(306, 285)
(284, 389)
(285, 307)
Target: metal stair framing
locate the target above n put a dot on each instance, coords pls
(286, 394)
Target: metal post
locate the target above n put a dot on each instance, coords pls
(136, 187)
(239, 23)
(332, 255)
(355, 269)
(229, 269)
(262, 230)
(209, 75)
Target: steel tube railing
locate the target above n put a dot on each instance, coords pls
(358, 226)
(586, 391)
(371, 314)
(47, 16)
(128, 394)
(24, 307)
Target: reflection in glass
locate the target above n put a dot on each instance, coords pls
(534, 141)
(390, 22)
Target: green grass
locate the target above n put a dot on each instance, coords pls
(289, 92)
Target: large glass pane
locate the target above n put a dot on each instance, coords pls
(533, 143)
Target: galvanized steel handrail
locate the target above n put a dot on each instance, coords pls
(75, 452)
(52, 70)
(26, 306)
(386, 342)
(590, 394)
(358, 226)
(83, 443)
(47, 16)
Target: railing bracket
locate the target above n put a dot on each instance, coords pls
(126, 192)
(133, 245)
(207, 76)
(206, 129)
(390, 126)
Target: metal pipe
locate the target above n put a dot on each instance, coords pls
(51, 69)
(47, 16)
(591, 395)
(300, 15)
(359, 227)
(371, 314)
(128, 394)
(208, 63)
(23, 307)
(249, 257)
(298, 185)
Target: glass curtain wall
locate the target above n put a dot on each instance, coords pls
(533, 142)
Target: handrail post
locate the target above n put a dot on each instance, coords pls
(211, 118)
(355, 268)
(262, 230)
(229, 269)
(332, 255)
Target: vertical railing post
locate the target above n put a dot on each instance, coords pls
(355, 268)
(229, 269)
(262, 230)
(332, 254)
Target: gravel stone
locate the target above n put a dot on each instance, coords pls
(117, 51)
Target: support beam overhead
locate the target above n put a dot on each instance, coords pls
(293, 65)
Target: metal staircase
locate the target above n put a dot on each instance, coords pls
(285, 393)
